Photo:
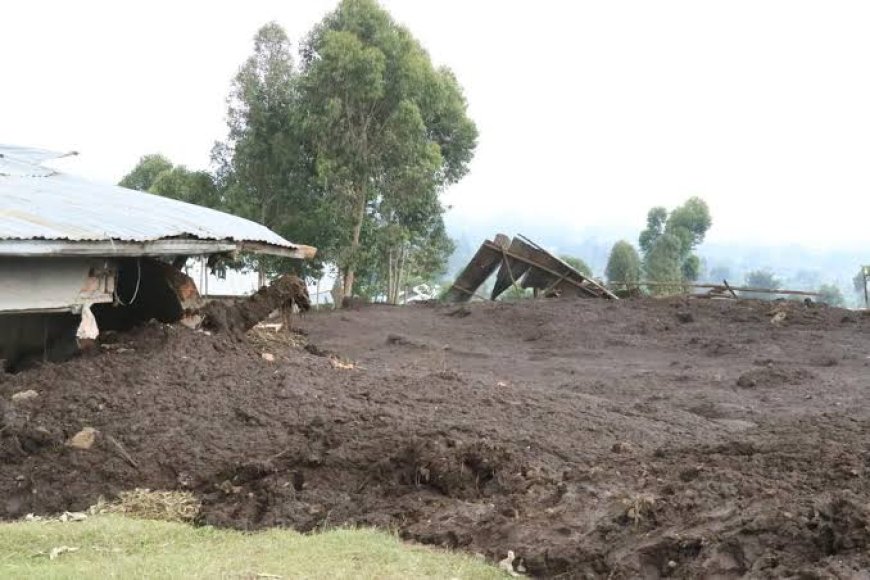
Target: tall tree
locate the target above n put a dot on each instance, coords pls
(263, 166)
(388, 130)
(859, 283)
(690, 222)
(655, 227)
(663, 264)
(623, 265)
(258, 156)
(687, 226)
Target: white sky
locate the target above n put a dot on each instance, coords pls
(589, 112)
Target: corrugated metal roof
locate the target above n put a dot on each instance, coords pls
(31, 155)
(37, 203)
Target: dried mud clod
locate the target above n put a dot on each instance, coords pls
(773, 376)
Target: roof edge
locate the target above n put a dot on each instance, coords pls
(174, 247)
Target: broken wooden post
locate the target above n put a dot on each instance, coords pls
(481, 267)
(511, 270)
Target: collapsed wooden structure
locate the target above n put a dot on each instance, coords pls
(521, 262)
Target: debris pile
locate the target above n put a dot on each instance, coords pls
(592, 439)
(283, 294)
(523, 263)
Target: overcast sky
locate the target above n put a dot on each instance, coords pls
(589, 112)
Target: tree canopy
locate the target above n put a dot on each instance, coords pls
(347, 150)
(830, 294)
(624, 265)
(387, 129)
(663, 264)
(578, 264)
(669, 240)
(156, 174)
(761, 279)
(143, 176)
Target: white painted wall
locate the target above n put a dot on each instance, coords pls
(40, 284)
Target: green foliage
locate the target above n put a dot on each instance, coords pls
(686, 226)
(391, 260)
(143, 176)
(691, 268)
(663, 264)
(156, 174)
(690, 223)
(623, 265)
(515, 293)
(347, 152)
(761, 279)
(578, 264)
(387, 130)
(263, 165)
(655, 227)
(830, 294)
(191, 186)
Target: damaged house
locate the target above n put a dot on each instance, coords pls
(77, 257)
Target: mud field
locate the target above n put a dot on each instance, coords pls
(594, 439)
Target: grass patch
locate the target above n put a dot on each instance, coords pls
(114, 546)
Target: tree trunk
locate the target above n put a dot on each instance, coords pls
(354, 244)
(400, 273)
(390, 276)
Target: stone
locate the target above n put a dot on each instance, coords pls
(84, 439)
(24, 396)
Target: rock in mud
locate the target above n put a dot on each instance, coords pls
(84, 439)
(24, 396)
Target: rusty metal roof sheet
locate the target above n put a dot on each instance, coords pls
(38, 203)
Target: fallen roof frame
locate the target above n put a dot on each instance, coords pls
(524, 264)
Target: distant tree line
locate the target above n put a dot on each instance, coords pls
(347, 149)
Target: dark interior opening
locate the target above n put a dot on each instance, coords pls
(143, 292)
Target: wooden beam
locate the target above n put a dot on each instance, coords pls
(481, 267)
(732, 288)
(564, 265)
(553, 273)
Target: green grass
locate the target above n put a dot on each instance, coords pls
(113, 546)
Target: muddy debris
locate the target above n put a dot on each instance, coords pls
(240, 317)
(586, 452)
(773, 376)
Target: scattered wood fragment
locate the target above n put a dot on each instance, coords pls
(122, 451)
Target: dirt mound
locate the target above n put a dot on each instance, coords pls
(773, 376)
(592, 438)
